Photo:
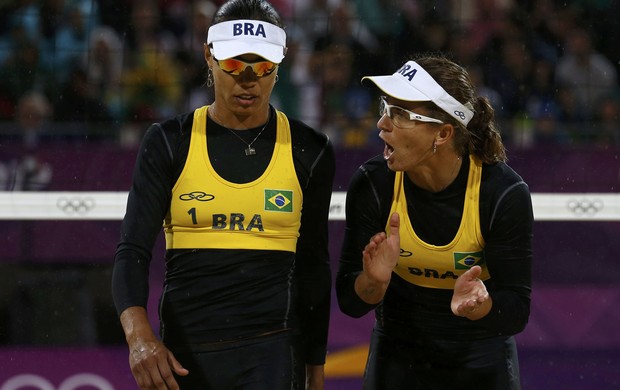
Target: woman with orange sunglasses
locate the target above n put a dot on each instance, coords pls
(246, 294)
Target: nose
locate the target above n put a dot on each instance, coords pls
(384, 123)
(248, 74)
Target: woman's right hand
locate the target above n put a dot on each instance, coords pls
(151, 363)
(380, 256)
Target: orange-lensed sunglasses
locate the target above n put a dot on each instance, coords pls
(235, 67)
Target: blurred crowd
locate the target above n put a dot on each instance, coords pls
(108, 68)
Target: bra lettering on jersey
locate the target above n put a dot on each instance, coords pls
(404, 70)
(235, 222)
(462, 261)
(248, 29)
(432, 273)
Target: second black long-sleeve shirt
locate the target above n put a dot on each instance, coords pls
(506, 222)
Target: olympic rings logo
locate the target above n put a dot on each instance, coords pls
(404, 253)
(585, 206)
(197, 195)
(75, 205)
(74, 382)
(460, 114)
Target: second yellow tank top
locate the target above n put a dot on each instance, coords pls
(435, 266)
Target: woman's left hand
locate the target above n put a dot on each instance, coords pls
(471, 298)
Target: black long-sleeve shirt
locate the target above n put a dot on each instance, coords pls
(214, 295)
(417, 312)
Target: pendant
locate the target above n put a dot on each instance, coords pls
(250, 151)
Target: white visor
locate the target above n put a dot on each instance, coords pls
(237, 37)
(412, 83)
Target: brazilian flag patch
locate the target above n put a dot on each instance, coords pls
(279, 200)
(466, 260)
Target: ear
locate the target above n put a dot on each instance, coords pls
(445, 134)
(208, 55)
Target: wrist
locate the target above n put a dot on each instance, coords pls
(369, 289)
(136, 325)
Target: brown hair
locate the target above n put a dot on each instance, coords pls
(481, 137)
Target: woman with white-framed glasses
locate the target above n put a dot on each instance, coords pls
(438, 238)
(246, 295)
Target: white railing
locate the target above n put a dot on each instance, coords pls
(111, 206)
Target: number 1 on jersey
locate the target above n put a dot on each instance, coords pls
(192, 212)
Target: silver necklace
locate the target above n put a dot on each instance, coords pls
(250, 151)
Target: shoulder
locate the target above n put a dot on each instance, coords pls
(376, 169)
(311, 146)
(501, 175)
(170, 136)
(501, 184)
(374, 173)
(302, 134)
(375, 165)
(176, 126)
(370, 190)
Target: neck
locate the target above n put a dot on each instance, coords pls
(236, 121)
(438, 177)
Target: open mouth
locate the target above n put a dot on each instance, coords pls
(388, 151)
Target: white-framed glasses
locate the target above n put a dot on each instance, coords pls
(401, 117)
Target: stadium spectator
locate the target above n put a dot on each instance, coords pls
(22, 72)
(584, 70)
(20, 167)
(607, 121)
(151, 79)
(103, 63)
(339, 58)
(77, 102)
(190, 55)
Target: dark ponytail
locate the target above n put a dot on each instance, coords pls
(484, 139)
(481, 137)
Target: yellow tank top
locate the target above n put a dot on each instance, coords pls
(435, 266)
(208, 211)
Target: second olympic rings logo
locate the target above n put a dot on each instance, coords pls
(587, 207)
(75, 205)
(74, 382)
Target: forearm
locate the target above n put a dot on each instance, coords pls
(313, 275)
(315, 303)
(509, 313)
(136, 325)
(348, 300)
(130, 277)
